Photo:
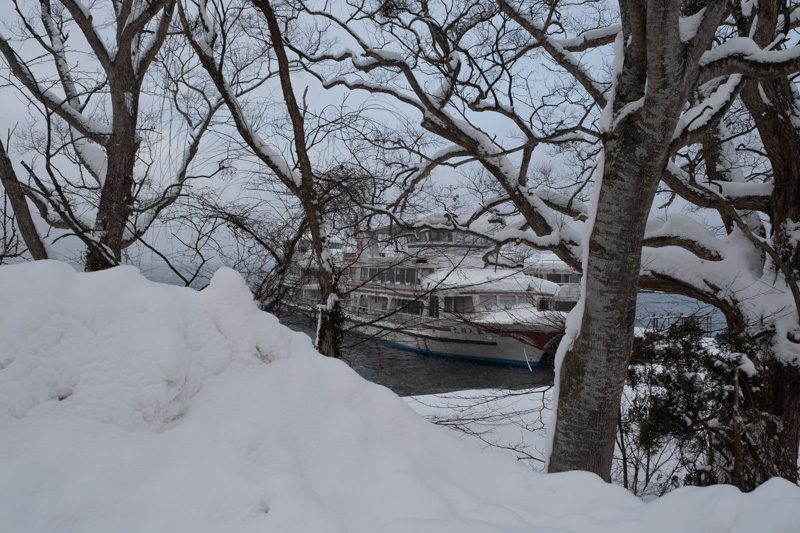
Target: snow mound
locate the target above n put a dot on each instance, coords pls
(127, 405)
(116, 348)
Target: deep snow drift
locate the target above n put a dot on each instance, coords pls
(127, 405)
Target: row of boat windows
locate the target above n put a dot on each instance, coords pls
(380, 304)
(405, 276)
(446, 236)
(461, 305)
(413, 276)
(424, 236)
(452, 304)
(560, 278)
(305, 246)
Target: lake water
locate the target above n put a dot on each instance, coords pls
(410, 373)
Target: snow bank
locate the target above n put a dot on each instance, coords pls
(127, 405)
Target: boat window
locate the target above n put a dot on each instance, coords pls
(556, 278)
(433, 308)
(488, 302)
(544, 305)
(411, 276)
(564, 306)
(363, 276)
(409, 307)
(507, 301)
(312, 294)
(379, 303)
(402, 275)
(441, 236)
(362, 304)
(414, 308)
(462, 304)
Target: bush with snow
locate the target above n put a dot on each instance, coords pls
(127, 405)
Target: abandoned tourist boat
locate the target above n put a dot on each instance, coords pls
(430, 292)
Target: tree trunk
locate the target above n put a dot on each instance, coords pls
(593, 371)
(116, 198)
(773, 104)
(20, 206)
(782, 401)
(658, 70)
(330, 327)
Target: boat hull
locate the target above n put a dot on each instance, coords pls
(517, 347)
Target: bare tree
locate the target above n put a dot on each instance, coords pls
(94, 111)
(212, 28)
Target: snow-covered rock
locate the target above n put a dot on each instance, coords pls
(127, 405)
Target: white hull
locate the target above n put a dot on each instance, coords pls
(521, 345)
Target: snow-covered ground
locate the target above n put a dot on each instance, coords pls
(514, 421)
(127, 405)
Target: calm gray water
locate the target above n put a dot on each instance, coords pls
(411, 373)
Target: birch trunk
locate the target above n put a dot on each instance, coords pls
(659, 69)
(592, 373)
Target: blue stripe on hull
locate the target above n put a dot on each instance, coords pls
(408, 348)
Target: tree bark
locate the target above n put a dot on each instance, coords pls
(20, 206)
(657, 74)
(773, 103)
(116, 199)
(593, 370)
(330, 327)
(782, 401)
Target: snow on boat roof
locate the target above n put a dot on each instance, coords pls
(546, 261)
(488, 280)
